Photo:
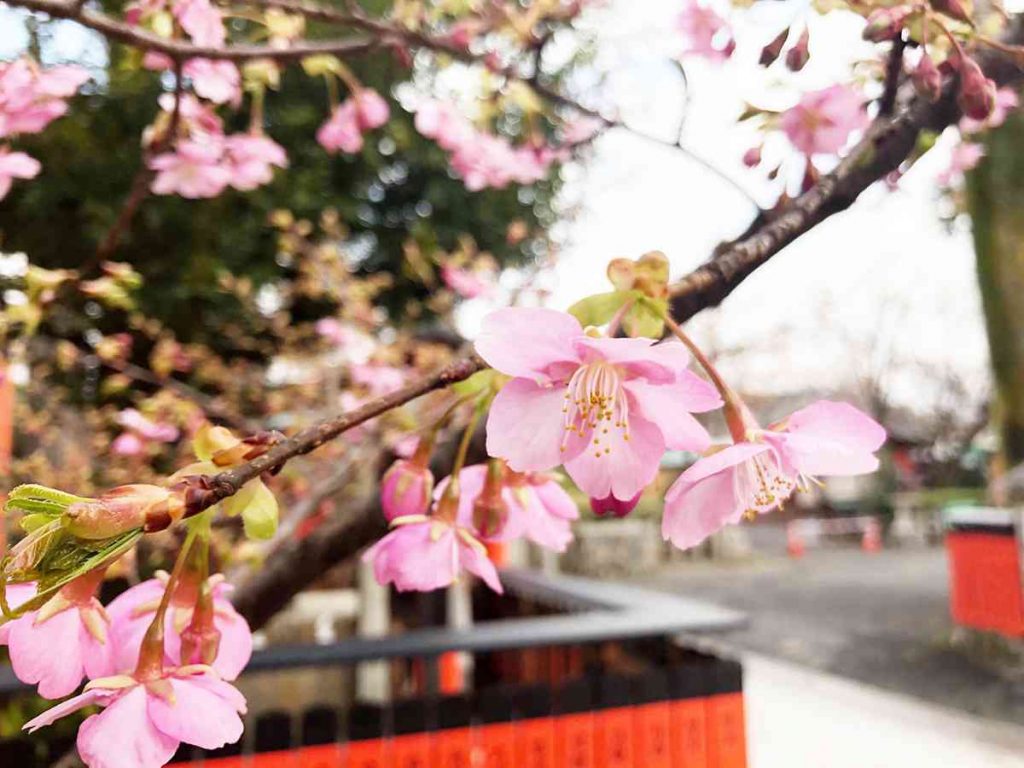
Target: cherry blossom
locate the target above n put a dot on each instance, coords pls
(425, 553)
(1006, 100)
(145, 719)
(202, 21)
(708, 34)
(132, 611)
(193, 170)
(536, 507)
(68, 638)
(251, 160)
(15, 165)
(138, 431)
(758, 473)
(606, 408)
(822, 121)
(32, 97)
(965, 156)
(466, 283)
(218, 81)
(343, 131)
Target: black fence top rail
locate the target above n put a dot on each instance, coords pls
(597, 611)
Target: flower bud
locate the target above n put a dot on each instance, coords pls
(977, 97)
(927, 79)
(200, 640)
(372, 110)
(952, 8)
(886, 23)
(123, 509)
(752, 157)
(771, 51)
(406, 488)
(798, 55)
(613, 506)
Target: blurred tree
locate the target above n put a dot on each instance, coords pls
(397, 188)
(995, 200)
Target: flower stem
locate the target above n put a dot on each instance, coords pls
(452, 491)
(151, 655)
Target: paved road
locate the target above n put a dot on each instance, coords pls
(878, 618)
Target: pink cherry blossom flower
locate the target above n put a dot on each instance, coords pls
(343, 131)
(759, 474)
(32, 97)
(202, 21)
(444, 124)
(466, 283)
(158, 431)
(355, 346)
(606, 408)
(195, 115)
(822, 121)
(377, 378)
(15, 165)
(68, 638)
(424, 553)
(218, 81)
(193, 170)
(145, 721)
(965, 156)
(128, 444)
(251, 160)
(538, 508)
(707, 34)
(132, 611)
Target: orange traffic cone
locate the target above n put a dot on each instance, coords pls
(794, 541)
(872, 539)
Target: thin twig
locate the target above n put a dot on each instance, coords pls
(893, 70)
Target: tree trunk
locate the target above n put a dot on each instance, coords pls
(995, 194)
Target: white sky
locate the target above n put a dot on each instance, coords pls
(887, 270)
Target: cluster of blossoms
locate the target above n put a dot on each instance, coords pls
(140, 431)
(605, 409)
(482, 160)
(158, 687)
(364, 111)
(205, 161)
(30, 99)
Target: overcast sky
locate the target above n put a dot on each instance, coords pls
(887, 274)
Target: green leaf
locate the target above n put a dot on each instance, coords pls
(645, 318)
(260, 516)
(479, 382)
(67, 559)
(35, 520)
(600, 308)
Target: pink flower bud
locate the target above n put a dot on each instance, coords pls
(406, 488)
(886, 23)
(798, 55)
(752, 157)
(771, 51)
(927, 79)
(977, 97)
(613, 506)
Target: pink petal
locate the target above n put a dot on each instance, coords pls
(98, 659)
(531, 343)
(235, 641)
(48, 653)
(475, 561)
(411, 559)
(123, 736)
(828, 438)
(196, 714)
(721, 460)
(695, 510)
(628, 467)
(529, 517)
(65, 708)
(669, 407)
(557, 501)
(638, 358)
(525, 426)
(225, 690)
